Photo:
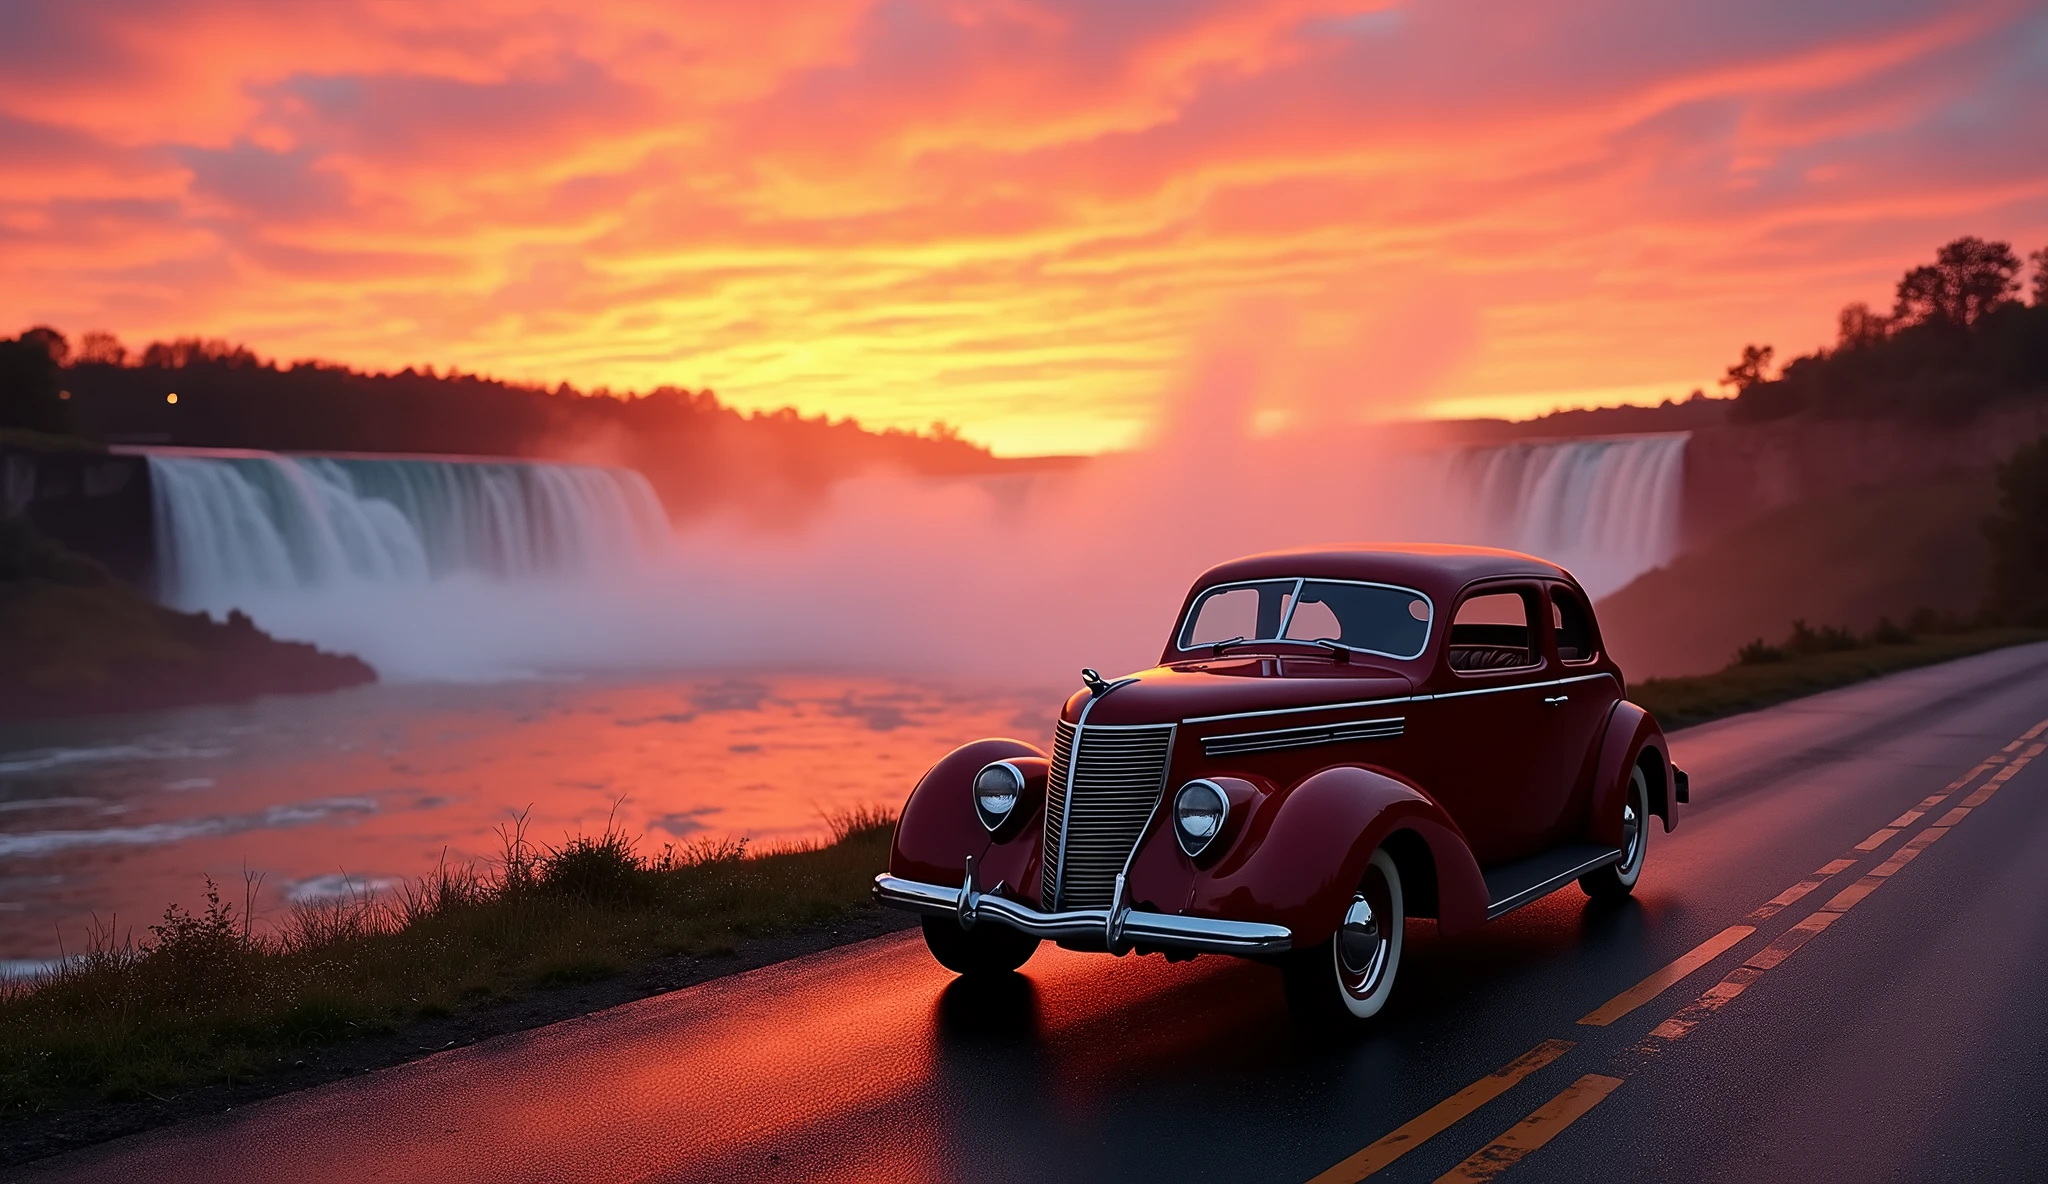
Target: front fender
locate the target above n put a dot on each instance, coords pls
(938, 829)
(1630, 734)
(1313, 855)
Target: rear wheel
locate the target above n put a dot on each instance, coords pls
(983, 950)
(1617, 880)
(1349, 978)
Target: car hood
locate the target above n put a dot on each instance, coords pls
(1173, 694)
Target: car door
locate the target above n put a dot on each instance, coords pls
(1490, 721)
(1574, 712)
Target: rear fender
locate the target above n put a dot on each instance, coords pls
(1632, 737)
(1325, 831)
(939, 828)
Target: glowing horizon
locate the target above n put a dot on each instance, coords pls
(1017, 217)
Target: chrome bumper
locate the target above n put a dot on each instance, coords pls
(1118, 929)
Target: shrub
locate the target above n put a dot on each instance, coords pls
(1828, 639)
(1886, 633)
(1758, 653)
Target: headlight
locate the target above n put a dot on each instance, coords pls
(996, 789)
(1199, 810)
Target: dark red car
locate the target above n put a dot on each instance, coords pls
(1333, 742)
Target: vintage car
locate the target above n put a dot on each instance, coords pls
(1333, 742)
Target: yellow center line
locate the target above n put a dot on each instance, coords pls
(1664, 979)
(1790, 896)
(1534, 1131)
(1435, 1120)
(1542, 1125)
(1718, 996)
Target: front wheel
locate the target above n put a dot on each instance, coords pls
(986, 949)
(1617, 880)
(1349, 978)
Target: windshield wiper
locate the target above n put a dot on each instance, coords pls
(1338, 649)
(1216, 648)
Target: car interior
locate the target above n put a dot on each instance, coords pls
(1492, 632)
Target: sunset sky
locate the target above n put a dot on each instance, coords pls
(1017, 216)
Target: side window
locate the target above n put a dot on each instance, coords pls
(1574, 626)
(1494, 631)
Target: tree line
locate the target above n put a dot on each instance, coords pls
(212, 393)
(1959, 338)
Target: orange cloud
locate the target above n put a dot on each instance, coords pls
(1016, 215)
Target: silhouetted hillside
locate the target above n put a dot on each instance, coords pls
(1847, 560)
(695, 449)
(73, 640)
(1957, 341)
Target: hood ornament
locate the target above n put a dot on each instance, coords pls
(1093, 680)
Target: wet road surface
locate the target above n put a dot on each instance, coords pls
(1833, 969)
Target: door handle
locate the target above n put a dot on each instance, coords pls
(1555, 700)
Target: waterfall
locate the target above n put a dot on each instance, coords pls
(237, 527)
(1607, 508)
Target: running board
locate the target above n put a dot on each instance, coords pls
(1512, 885)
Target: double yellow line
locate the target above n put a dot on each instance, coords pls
(1577, 1099)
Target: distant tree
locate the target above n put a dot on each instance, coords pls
(194, 351)
(2018, 532)
(1861, 327)
(52, 341)
(1968, 278)
(1749, 371)
(2040, 261)
(31, 382)
(99, 348)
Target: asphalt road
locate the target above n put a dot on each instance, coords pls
(1885, 1024)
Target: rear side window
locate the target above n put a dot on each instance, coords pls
(1574, 626)
(1494, 631)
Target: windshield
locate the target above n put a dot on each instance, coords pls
(1369, 618)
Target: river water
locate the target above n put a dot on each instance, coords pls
(117, 816)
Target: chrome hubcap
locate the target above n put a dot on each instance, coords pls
(1631, 835)
(1363, 945)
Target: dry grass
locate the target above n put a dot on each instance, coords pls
(204, 998)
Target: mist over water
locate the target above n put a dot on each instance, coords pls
(463, 570)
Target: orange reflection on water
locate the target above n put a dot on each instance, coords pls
(363, 788)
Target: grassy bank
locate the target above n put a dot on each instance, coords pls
(1775, 674)
(203, 999)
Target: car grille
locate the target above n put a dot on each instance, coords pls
(1095, 815)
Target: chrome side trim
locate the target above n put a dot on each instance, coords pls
(1216, 719)
(1517, 686)
(1204, 934)
(1500, 690)
(1271, 711)
(1537, 891)
(1308, 737)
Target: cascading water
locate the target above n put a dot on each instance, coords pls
(1606, 508)
(461, 569)
(238, 528)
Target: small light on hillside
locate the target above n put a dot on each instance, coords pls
(64, 394)
(171, 398)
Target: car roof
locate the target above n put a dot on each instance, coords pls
(1436, 569)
